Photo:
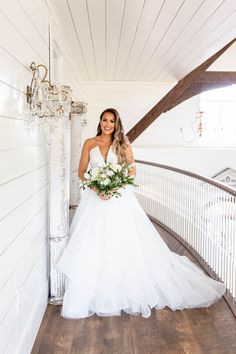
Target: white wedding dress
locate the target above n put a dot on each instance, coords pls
(116, 260)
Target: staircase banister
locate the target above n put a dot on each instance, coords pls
(203, 178)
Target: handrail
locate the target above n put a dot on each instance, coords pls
(198, 211)
(192, 174)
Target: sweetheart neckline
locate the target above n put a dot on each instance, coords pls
(104, 159)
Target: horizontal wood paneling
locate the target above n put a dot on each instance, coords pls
(24, 172)
(16, 44)
(22, 23)
(24, 176)
(132, 100)
(12, 103)
(17, 250)
(19, 190)
(39, 22)
(10, 230)
(13, 72)
(18, 313)
(22, 339)
(17, 162)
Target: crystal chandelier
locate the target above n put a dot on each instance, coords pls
(200, 122)
(47, 102)
(198, 127)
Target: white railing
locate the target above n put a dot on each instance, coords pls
(198, 210)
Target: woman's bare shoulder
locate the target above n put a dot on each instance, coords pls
(89, 143)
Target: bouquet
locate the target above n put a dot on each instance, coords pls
(109, 178)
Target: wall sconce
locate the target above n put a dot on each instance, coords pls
(198, 127)
(79, 107)
(46, 101)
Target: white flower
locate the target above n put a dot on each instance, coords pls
(110, 173)
(116, 167)
(95, 172)
(106, 181)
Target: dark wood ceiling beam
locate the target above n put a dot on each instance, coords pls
(217, 77)
(172, 96)
(208, 80)
(193, 90)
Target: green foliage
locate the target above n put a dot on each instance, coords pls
(108, 179)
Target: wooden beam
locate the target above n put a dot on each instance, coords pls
(173, 95)
(196, 89)
(217, 77)
(208, 80)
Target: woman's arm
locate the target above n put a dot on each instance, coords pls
(130, 159)
(84, 160)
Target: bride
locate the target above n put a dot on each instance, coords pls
(115, 259)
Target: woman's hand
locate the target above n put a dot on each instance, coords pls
(94, 189)
(105, 196)
(102, 195)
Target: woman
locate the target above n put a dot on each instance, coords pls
(115, 259)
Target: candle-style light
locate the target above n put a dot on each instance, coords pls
(47, 102)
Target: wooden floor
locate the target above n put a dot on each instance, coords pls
(197, 331)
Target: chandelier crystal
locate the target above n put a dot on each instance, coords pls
(47, 102)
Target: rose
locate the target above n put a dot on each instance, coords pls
(110, 173)
(106, 181)
(95, 172)
(116, 167)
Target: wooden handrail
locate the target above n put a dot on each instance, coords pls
(200, 215)
(192, 174)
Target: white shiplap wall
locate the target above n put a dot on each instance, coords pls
(24, 178)
(161, 142)
(131, 99)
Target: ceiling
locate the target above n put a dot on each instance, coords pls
(144, 40)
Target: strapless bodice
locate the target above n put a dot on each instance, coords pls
(96, 158)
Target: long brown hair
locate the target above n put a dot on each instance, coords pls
(119, 139)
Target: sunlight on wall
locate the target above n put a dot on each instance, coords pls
(220, 108)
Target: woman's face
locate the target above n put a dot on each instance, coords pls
(107, 123)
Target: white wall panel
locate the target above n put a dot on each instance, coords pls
(22, 339)
(18, 220)
(17, 315)
(12, 102)
(12, 72)
(162, 141)
(17, 16)
(17, 191)
(39, 22)
(19, 249)
(24, 172)
(15, 43)
(132, 100)
(203, 161)
(17, 162)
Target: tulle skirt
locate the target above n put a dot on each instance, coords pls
(116, 260)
